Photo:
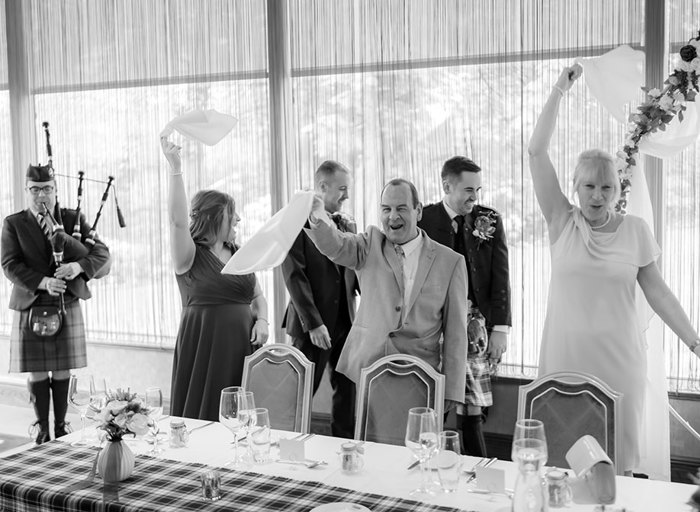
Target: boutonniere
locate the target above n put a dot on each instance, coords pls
(344, 221)
(484, 227)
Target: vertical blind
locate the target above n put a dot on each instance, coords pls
(390, 88)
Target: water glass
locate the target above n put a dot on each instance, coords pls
(449, 460)
(259, 435)
(154, 402)
(80, 390)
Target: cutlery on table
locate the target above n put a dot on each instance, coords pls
(308, 463)
(202, 426)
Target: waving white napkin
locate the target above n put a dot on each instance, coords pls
(614, 78)
(206, 126)
(270, 245)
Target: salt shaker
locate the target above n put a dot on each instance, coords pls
(350, 458)
(179, 436)
(559, 490)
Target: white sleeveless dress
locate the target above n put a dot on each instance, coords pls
(592, 324)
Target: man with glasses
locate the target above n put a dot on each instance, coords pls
(476, 232)
(31, 244)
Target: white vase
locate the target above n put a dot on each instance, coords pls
(115, 462)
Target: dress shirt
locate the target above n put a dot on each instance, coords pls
(498, 328)
(411, 252)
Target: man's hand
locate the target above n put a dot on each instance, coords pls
(497, 346)
(320, 337)
(53, 286)
(68, 271)
(449, 405)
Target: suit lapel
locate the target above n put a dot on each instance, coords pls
(425, 262)
(34, 232)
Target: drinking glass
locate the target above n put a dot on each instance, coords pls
(530, 452)
(232, 402)
(449, 460)
(154, 402)
(80, 389)
(259, 435)
(422, 440)
(529, 444)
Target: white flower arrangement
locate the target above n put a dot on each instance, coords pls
(123, 414)
(658, 110)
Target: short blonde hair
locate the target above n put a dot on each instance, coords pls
(597, 161)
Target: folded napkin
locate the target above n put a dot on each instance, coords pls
(270, 245)
(206, 126)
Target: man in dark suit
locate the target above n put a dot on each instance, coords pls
(477, 233)
(30, 248)
(322, 305)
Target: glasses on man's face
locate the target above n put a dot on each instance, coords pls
(46, 189)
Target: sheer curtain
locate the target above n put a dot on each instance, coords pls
(108, 75)
(395, 88)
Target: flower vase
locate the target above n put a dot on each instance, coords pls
(115, 462)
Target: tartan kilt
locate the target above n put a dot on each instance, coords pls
(64, 351)
(478, 388)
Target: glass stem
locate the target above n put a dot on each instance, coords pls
(82, 427)
(423, 475)
(235, 446)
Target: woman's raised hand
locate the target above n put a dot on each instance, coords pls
(568, 76)
(172, 155)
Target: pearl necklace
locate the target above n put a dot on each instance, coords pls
(607, 221)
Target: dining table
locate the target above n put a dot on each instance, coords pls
(59, 476)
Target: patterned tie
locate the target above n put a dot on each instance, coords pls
(459, 235)
(44, 225)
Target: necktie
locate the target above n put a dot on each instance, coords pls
(44, 225)
(459, 235)
(402, 259)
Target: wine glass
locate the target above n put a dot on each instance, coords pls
(232, 402)
(154, 402)
(529, 444)
(422, 440)
(80, 389)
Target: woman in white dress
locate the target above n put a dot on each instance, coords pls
(598, 256)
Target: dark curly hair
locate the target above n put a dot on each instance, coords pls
(207, 214)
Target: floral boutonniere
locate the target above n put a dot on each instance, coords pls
(484, 227)
(344, 221)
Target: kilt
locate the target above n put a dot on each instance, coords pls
(64, 351)
(478, 385)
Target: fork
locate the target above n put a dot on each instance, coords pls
(308, 463)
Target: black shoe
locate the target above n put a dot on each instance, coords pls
(41, 431)
(62, 429)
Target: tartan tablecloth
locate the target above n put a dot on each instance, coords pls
(37, 479)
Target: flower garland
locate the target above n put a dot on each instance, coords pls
(657, 111)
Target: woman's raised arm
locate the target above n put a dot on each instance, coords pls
(182, 248)
(552, 201)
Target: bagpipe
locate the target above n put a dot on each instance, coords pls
(58, 228)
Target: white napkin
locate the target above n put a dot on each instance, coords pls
(206, 126)
(614, 78)
(270, 245)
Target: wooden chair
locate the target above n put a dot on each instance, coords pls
(571, 404)
(388, 389)
(281, 379)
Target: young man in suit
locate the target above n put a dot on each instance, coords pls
(476, 232)
(29, 261)
(417, 303)
(322, 299)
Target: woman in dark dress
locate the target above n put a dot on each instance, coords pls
(223, 316)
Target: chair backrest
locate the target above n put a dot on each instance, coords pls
(281, 379)
(388, 389)
(572, 404)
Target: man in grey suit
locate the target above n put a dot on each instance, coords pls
(416, 290)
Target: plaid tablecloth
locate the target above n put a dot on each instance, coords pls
(37, 480)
